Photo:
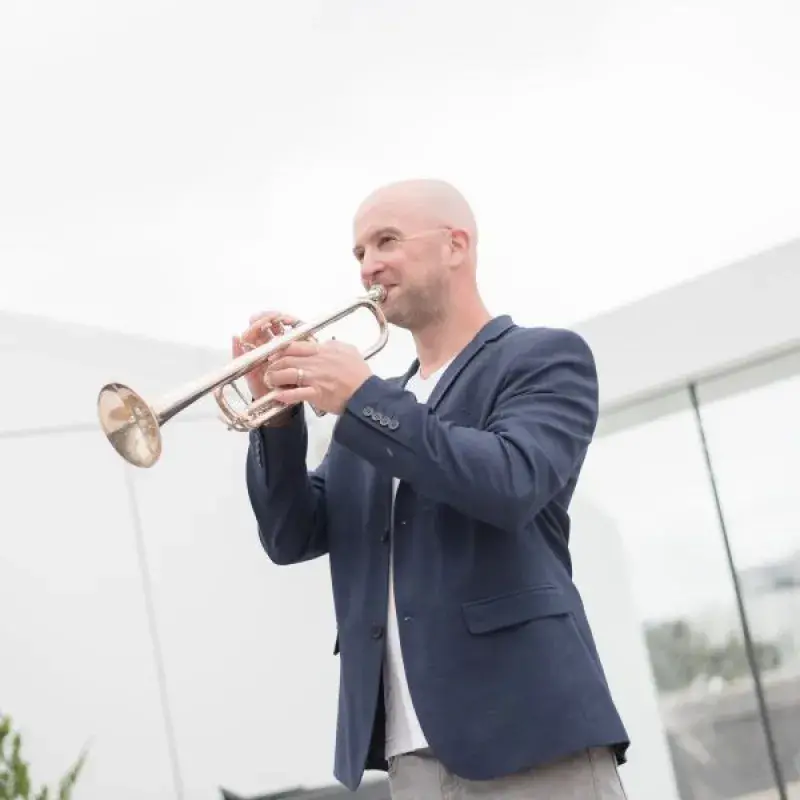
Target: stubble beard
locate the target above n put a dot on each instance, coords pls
(419, 308)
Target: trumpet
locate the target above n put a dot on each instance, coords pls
(133, 426)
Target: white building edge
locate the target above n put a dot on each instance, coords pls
(141, 617)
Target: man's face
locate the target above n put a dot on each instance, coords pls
(407, 254)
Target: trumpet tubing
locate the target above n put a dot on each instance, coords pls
(133, 426)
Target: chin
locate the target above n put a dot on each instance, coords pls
(398, 320)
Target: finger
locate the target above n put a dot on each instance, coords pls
(283, 377)
(334, 346)
(236, 347)
(303, 394)
(267, 325)
(277, 323)
(300, 348)
(264, 316)
(260, 331)
(282, 362)
(255, 337)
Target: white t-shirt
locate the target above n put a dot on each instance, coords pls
(403, 731)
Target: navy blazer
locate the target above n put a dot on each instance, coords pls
(500, 659)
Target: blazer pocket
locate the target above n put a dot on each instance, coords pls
(514, 608)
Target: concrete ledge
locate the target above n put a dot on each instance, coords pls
(742, 314)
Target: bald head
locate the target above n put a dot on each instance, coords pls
(418, 239)
(437, 203)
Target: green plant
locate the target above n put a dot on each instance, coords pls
(15, 779)
(680, 654)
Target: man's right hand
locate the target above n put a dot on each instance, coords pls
(264, 326)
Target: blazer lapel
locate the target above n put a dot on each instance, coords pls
(493, 329)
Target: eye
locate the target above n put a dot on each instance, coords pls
(385, 240)
(359, 254)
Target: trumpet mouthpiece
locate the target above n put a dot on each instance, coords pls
(377, 293)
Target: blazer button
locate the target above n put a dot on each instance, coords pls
(393, 424)
(377, 631)
(376, 416)
(367, 411)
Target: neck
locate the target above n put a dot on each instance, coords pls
(441, 341)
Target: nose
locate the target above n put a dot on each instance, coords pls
(371, 269)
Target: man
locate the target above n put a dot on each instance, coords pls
(468, 668)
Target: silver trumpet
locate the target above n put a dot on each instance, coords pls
(133, 426)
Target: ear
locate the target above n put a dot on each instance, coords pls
(459, 246)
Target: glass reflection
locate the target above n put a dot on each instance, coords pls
(754, 443)
(652, 481)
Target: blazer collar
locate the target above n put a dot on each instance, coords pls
(491, 331)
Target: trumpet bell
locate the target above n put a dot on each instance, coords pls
(130, 424)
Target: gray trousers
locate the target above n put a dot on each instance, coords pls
(589, 775)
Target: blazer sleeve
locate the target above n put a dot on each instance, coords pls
(532, 445)
(288, 501)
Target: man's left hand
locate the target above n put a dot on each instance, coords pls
(326, 375)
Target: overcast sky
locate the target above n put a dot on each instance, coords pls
(169, 168)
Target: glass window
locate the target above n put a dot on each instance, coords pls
(651, 481)
(753, 440)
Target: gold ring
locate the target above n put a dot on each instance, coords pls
(299, 376)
